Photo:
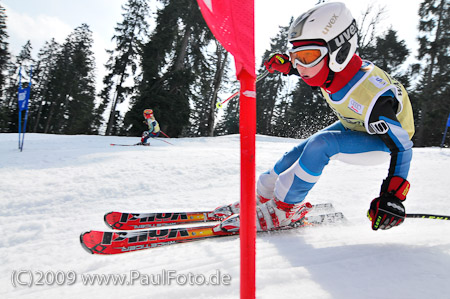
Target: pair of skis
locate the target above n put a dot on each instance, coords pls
(136, 144)
(150, 230)
(140, 143)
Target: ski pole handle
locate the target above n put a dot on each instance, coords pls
(428, 216)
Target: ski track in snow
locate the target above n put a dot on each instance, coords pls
(60, 186)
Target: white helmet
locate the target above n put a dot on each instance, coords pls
(332, 23)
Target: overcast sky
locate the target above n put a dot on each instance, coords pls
(41, 20)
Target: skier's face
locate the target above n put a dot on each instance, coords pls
(310, 72)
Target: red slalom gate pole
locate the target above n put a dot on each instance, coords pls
(247, 129)
(233, 24)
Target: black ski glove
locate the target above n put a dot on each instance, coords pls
(387, 210)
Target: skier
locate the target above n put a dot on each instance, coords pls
(374, 116)
(153, 127)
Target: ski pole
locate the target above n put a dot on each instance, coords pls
(428, 216)
(260, 77)
(164, 134)
(219, 104)
(163, 140)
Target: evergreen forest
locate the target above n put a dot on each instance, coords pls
(180, 71)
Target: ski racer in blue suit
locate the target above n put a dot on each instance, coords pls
(374, 113)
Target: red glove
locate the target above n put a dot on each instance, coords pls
(387, 210)
(278, 62)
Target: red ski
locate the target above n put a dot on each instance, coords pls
(100, 242)
(116, 144)
(132, 221)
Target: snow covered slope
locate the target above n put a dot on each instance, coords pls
(60, 186)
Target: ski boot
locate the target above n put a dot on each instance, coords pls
(272, 215)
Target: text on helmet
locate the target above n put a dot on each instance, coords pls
(330, 24)
(344, 37)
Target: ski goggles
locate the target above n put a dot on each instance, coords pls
(307, 56)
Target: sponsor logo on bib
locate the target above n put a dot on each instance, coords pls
(355, 106)
(378, 82)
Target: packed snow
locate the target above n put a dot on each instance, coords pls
(61, 186)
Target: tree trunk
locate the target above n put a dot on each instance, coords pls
(49, 118)
(118, 92)
(38, 117)
(112, 114)
(179, 64)
(220, 67)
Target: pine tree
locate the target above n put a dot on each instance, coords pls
(432, 93)
(4, 60)
(72, 86)
(46, 63)
(171, 63)
(123, 63)
(81, 104)
(271, 89)
(4, 53)
(387, 52)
